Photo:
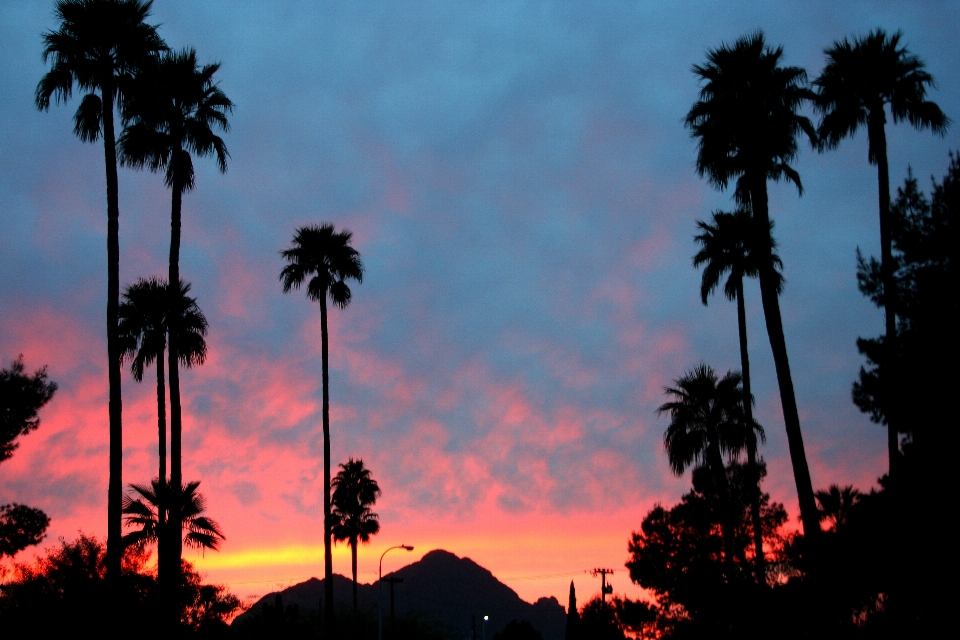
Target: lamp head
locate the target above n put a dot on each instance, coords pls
(485, 618)
(407, 547)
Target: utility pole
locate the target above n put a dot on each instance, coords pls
(604, 587)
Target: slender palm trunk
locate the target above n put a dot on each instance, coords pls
(878, 141)
(327, 541)
(353, 558)
(162, 471)
(723, 488)
(754, 471)
(788, 401)
(115, 485)
(174, 546)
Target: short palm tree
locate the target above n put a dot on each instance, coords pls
(860, 79)
(354, 493)
(706, 422)
(144, 324)
(325, 258)
(173, 109)
(746, 125)
(835, 504)
(726, 247)
(99, 47)
(144, 512)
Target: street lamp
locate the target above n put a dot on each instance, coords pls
(380, 584)
(485, 618)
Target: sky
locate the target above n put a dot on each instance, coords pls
(522, 192)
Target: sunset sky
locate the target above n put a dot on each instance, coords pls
(522, 192)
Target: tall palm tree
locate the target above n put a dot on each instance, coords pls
(354, 492)
(99, 46)
(746, 125)
(706, 422)
(860, 79)
(174, 108)
(726, 246)
(325, 257)
(145, 513)
(144, 323)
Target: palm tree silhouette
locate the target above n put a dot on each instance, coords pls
(327, 259)
(354, 492)
(859, 80)
(145, 512)
(727, 246)
(99, 46)
(706, 422)
(746, 124)
(174, 108)
(144, 323)
(836, 503)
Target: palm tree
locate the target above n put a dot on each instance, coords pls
(706, 421)
(144, 319)
(836, 503)
(354, 492)
(746, 125)
(145, 513)
(327, 259)
(726, 246)
(100, 45)
(860, 79)
(173, 109)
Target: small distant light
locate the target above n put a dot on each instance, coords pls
(485, 618)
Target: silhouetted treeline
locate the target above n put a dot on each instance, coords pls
(279, 621)
(65, 592)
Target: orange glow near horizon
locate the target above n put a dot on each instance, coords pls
(536, 556)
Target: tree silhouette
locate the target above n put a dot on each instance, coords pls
(326, 258)
(99, 47)
(746, 125)
(677, 555)
(198, 531)
(144, 324)
(706, 421)
(174, 108)
(835, 504)
(21, 398)
(354, 492)
(727, 246)
(860, 79)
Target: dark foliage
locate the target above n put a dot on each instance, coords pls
(678, 555)
(921, 364)
(20, 527)
(925, 252)
(290, 622)
(64, 594)
(21, 397)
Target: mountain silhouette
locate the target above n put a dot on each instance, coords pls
(455, 592)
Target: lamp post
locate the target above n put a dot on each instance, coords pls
(380, 584)
(485, 618)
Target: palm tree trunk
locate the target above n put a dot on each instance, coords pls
(174, 546)
(778, 344)
(353, 554)
(327, 542)
(723, 488)
(162, 471)
(759, 561)
(878, 144)
(115, 484)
